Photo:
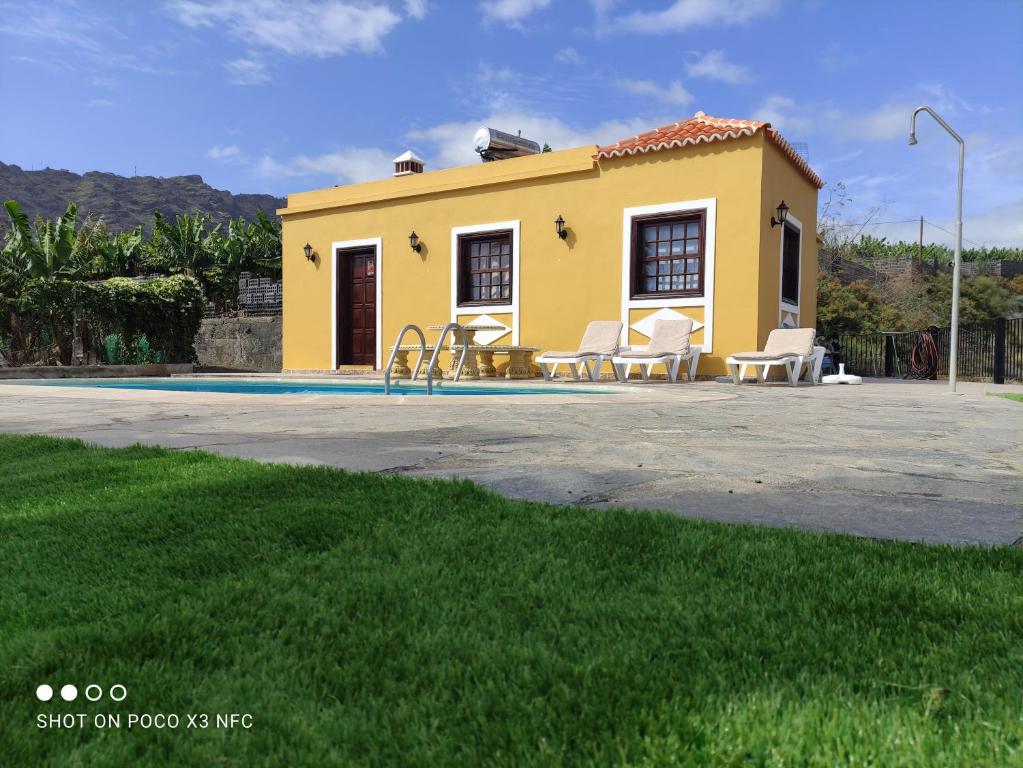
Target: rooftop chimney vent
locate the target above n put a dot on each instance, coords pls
(408, 163)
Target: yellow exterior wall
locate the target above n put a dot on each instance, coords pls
(782, 181)
(563, 284)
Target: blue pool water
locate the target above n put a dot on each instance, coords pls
(284, 387)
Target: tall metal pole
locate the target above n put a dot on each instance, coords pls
(953, 341)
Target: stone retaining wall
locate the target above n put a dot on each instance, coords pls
(94, 371)
(240, 343)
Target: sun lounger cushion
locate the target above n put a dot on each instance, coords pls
(601, 337)
(669, 337)
(783, 342)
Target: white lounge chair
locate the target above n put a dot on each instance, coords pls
(600, 343)
(792, 348)
(669, 344)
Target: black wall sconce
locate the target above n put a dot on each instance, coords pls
(559, 226)
(309, 252)
(783, 213)
(413, 240)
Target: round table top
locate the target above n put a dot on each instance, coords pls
(473, 347)
(470, 327)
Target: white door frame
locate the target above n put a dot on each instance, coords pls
(377, 244)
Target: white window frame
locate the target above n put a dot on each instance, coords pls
(709, 207)
(488, 309)
(378, 244)
(784, 306)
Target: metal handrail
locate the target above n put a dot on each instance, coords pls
(436, 352)
(394, 353)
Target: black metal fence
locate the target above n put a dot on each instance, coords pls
(991, 351)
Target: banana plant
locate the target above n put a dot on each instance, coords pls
(186, 241)
(125, 249)
(250, 245)
(19, 242)
(54, 245)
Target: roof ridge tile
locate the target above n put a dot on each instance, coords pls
(703, 128)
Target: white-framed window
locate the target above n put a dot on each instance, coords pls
(790, 266)
(467, 297)
(700, 272)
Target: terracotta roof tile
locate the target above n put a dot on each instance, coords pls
(703, 128)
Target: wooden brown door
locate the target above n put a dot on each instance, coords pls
(356, 307)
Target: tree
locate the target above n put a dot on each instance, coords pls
(981, 300)
(852, 309)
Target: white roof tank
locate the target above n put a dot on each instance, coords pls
(492, 144)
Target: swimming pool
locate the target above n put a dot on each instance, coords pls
(242, 386)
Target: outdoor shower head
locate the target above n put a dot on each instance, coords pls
(912, 139)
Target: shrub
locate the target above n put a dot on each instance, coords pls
(150, 321)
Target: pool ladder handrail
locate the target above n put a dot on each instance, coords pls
(394, 354)
(422, 352)
(436, 353)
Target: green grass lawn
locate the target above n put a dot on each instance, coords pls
(368, 620)
(1010, 396)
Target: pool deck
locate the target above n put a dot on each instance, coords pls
(888, 459)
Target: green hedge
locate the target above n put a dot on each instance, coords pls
(160, 316)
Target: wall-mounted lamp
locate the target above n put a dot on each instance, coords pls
(309, 252)
(783, 213)
(413, 240)
(559, 225)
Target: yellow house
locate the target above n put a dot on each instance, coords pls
(678, 221)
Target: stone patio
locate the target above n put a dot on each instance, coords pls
(900, 460)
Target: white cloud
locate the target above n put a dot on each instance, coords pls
(783, 113)
(101, 81)
(488, 74)
(223, 152)
(683, 15)
(450, 143)
(1006, 156)
(673, 93)
(889, 121)
(93, 39)
(884, 123)
(715, 66)
(350, 165)
(417, 9)
(100, 103)
(569, 56)
(835, 58)
(1001, 226)
(247, 72)
(318, 28)
(510, 12)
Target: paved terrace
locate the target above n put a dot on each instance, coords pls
(895, 459)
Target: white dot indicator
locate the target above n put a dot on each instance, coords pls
(44, 692)
(69, 692)
(93, 692)
(118, 692)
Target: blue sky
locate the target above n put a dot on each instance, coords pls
(287, 95)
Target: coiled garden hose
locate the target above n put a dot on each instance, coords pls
(923, 361)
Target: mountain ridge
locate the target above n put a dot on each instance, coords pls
(124, 202)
